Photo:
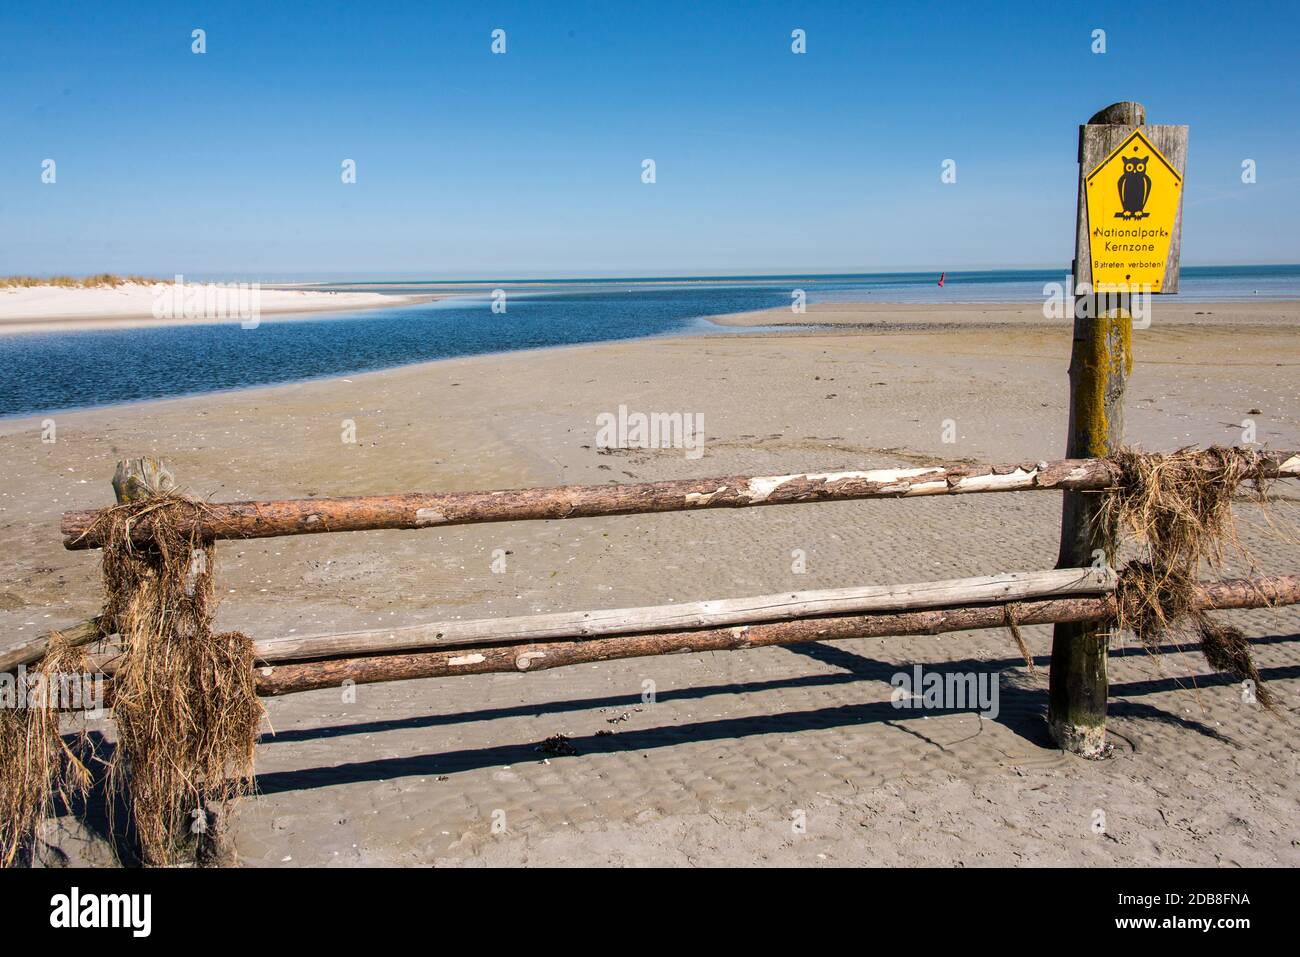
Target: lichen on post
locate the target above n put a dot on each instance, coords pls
(1099, 367)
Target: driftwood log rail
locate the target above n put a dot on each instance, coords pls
(437, 509)
(537, 656)
(539, 642)
(534, 643)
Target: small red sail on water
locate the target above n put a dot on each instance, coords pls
(941, 275)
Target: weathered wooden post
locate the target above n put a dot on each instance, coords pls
(140, 478)
(1126, 245)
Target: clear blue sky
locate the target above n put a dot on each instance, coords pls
(473, 164)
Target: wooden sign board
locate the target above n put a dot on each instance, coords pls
(1130, 207)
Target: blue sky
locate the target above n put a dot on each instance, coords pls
(471, 164)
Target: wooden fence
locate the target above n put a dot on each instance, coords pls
(536, 642)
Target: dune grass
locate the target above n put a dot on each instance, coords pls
(71, 282)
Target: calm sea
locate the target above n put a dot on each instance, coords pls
(46, 372)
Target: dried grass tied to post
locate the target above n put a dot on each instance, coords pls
(185, 699)
(37, 766)
(1178, 506)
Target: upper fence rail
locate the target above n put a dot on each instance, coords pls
(240, 520)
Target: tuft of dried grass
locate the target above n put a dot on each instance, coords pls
(37, 766)
(185, 699)
(1178, 506)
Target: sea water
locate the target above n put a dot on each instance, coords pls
(43, 372)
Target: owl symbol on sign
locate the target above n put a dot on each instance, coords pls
(1134, 188)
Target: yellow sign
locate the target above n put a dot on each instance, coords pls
(1133, 199)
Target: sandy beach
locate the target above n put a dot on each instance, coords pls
(131, 305)
(733, 747)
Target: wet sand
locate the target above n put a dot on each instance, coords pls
(716, 768)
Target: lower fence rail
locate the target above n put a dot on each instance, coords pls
(1090, 597)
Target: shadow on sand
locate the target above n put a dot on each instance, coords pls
(1022, 710)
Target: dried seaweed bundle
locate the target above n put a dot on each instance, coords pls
(1179, 507)
(37, 766)
(185, 699)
